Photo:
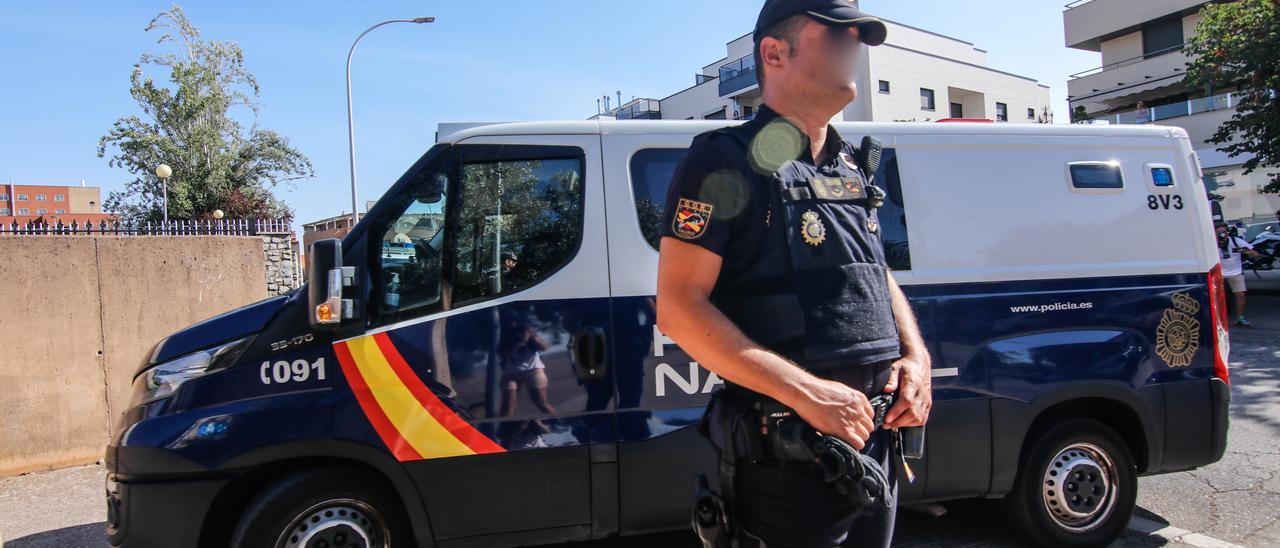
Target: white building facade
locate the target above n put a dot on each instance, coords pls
(916, 75)
(1141, 82)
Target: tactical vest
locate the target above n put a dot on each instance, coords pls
(829, 304)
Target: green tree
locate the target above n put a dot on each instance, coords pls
(1238, 44)
(187, 123)
(1079, 115)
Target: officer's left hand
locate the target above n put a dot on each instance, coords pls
(910, 378)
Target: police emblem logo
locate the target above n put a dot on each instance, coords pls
(853, 185)
(812, 229)
(1178, 335)
(848, 161)
(691, 219)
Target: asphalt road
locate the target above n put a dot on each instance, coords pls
(1236, 500)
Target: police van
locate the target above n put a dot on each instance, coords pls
(477, 362)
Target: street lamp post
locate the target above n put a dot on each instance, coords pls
(163, 171)
(351, 124)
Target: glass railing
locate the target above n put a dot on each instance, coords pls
(642, 109)
(1172, 110)
(1126, 62)
(699, 79)
(737, 75)
(1077, 4)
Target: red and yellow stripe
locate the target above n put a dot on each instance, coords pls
(409, 418)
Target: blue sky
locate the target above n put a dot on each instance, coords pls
(66, 69)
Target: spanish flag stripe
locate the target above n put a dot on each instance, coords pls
(364, 396)
(417, 426)
(461, 429)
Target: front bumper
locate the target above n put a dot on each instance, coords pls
(168, 513)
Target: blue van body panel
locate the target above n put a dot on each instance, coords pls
(246, 320)
(616, 453)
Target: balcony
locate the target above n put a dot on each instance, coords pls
(1157, 69)
(1179, 109)
(640, 109)
(737, 75)
(1088, 22)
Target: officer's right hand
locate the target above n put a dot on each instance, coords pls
(836, 409)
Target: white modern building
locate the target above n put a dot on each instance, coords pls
(1141, 82)
(916, 75)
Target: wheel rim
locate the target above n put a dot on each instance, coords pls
(1079, 487)
(338, 523)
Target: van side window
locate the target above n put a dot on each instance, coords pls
(1095, 175)
(500, 221)
(518, 222)
(652, 170)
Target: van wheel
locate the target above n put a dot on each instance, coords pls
(324, 508)
(1077, 486)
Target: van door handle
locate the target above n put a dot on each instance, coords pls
(589, 354)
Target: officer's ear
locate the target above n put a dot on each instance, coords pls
(774, 52)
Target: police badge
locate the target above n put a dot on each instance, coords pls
(1178, 335)
(812, 229)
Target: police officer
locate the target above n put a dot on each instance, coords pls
(772, 275)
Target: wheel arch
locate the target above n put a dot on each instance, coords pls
(1133, 415)
(260, 467)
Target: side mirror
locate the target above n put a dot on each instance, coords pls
(326, 277)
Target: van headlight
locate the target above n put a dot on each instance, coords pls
(162, 380)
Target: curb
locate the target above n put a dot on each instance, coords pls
(1172, 534)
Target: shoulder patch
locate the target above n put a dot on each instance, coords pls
(691, 219)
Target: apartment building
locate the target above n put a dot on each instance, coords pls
(1140, 81)
(51, 204)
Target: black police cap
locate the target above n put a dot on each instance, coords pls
(836, 13)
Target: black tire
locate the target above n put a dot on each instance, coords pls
(341, 506)
(1074, 453)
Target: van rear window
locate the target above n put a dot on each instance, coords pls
(1096, 175)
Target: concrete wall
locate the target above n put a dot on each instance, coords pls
(80, 315)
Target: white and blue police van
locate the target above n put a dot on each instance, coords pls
(477, 362)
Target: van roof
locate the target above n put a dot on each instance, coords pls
(454, 132)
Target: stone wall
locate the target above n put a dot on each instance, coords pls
(284, 271)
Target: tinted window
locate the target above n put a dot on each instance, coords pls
(1099, 175)
(651, 173)
(652, 170)
(518, 222)
(471, 230)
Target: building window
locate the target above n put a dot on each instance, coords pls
(957, 110)
(717, 115)
(4, 211)
(39, 197)
(60, 211)
(59, 198)
(22, 197)
(42, 211)
(24, 211)
(1002, 112)
(1031, 114)
(884, 86)
(4, 197)
(926, 99)
(1162, 36)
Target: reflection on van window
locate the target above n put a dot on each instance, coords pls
(652, 170)
(1096, 175)
(412, 249)
(651, 173)
(519, 221)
